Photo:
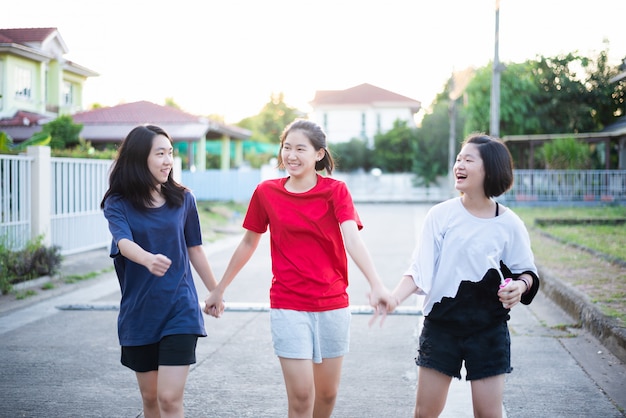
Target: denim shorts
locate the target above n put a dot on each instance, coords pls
(486, 353)
(310, 335)
(172, 350)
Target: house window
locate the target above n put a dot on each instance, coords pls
(1, 84)
(23, 83)
(325, 125)
(68, 94)
(363, 125)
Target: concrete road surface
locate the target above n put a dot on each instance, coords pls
(65, 363)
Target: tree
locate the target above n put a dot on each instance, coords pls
(7, 145)
(607, 99)
(393, 150)
(270, 122)
(518, 92)
(430, 149)
(563, 103)
(352, 155)
(566, 154)
(169, 101)
(64, 132)
(565, 93)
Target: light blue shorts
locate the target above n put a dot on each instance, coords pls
(310, 335)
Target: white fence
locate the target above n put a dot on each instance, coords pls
(15, 200)
(76, 220)
(59, 198)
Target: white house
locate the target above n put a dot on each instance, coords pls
(360, 112)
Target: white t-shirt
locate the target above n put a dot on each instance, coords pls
(456, 247)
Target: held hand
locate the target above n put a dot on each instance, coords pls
(214, 304)
(383, 302)
(511, 294)
(159, 264)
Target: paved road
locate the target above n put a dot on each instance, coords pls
(65, 363)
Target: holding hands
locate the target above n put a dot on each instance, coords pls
(214, 304)
(383, 303)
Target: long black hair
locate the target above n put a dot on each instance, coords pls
(130, 176)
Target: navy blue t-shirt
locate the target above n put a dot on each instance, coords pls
(153, 307)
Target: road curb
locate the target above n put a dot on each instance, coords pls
(577, 304)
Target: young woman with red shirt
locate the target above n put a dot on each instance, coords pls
(312, 222)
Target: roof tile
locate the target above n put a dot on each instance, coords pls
(359, 95)
(25, 35)
(136, 112)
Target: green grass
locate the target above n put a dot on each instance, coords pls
(23, 294)
(74, 278)
(214, 216)
(603, 282)
(607, 239)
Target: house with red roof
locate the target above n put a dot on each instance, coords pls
(360, 112)
(110, 125)
(37, 84)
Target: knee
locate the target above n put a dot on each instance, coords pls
(421, 412)
(326, 395)
(170, 402)
(150, 399)
(301, 401)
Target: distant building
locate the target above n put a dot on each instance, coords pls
(110, 125)
(37, 84)
(360, 112)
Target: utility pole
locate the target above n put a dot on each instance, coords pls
(494, 126)
(452, 133)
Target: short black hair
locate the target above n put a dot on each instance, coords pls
(497, 162)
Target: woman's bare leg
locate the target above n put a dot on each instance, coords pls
(487, 397)
(298, 375)
(327, 375)
(432, 392)
(148, 388)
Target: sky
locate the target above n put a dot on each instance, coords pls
(227, 57)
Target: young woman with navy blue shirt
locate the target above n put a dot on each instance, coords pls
(156, 239)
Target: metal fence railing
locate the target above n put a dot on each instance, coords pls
(599, 186)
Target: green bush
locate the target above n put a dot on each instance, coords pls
(33, 261)
(566, 154)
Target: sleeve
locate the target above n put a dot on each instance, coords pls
(256, 219)
(115, 214)
(521, 259)
(527, 297)
(344, 206)
(426, 255)
(193, 231)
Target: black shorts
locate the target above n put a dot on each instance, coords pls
(486, 353)
(172, 350)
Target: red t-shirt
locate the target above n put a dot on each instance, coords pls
(309, 261)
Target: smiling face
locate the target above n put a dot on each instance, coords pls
(469, 170)
(160, 159)
(299, 155)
